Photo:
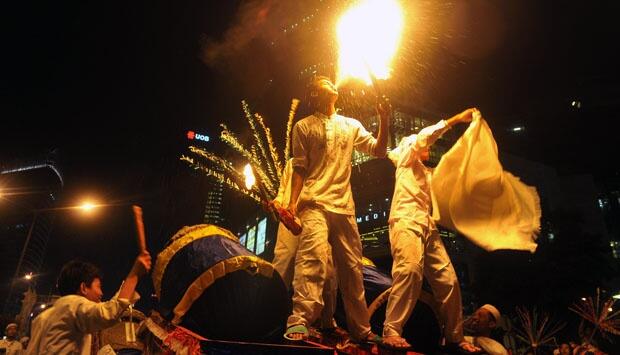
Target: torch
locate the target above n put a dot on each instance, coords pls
(368, 37)
(278, 213)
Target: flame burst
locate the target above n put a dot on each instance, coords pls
(368, 37)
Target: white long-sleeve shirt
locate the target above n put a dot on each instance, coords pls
(11, 346)
(284, 191)
(323, 146)
(66, 327)
(412, 190)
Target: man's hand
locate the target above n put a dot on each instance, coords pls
(384, 107)
(142, 265)
(292, 208)
(463, 117)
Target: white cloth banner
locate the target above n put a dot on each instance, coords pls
(473, 195)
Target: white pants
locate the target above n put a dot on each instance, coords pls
(417, 251)
(284, 262)
(320, 229)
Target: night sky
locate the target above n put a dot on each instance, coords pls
(114, 86)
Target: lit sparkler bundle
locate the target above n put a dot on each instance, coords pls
(262, 173)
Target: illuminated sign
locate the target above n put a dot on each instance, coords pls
(371, 217)
(201, 137)
(250, 243)
(261, 232)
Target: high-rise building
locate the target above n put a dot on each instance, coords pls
(213, 206)
(28, 189)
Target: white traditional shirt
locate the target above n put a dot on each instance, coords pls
(323, 147)
(284, 191)
(11, 347)
(490, 346)
(66, 327)
(412, 190)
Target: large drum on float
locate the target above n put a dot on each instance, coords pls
(123, 336)
(209, 283)
(422, 330)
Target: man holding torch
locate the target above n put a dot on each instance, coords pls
(285, 253)
(321, 197)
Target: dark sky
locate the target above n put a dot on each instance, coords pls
(114, 86)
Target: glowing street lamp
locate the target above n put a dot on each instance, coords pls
(87, 206)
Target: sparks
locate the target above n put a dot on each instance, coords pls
(368, 37)
(249, 176)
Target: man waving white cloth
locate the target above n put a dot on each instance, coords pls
(473, 195)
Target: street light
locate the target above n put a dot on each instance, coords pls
(85, 207)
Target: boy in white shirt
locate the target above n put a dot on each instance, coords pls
(68, 326)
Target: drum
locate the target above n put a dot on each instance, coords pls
(422, 330)
(122, 337)
(209, 283)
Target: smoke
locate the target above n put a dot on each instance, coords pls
(262, 20)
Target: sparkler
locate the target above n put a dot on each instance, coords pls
(537, 330)
(600, 313)
(262, 173)
(289, 127)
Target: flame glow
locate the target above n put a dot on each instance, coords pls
(87, 206)
(368, 37)
(250, 180)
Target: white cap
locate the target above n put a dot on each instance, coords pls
(494, 311)
(10, 325)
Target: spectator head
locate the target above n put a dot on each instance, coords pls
(11, 330)
(80, 278)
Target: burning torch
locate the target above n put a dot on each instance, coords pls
(368, 35)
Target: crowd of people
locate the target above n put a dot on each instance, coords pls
(325, 257)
